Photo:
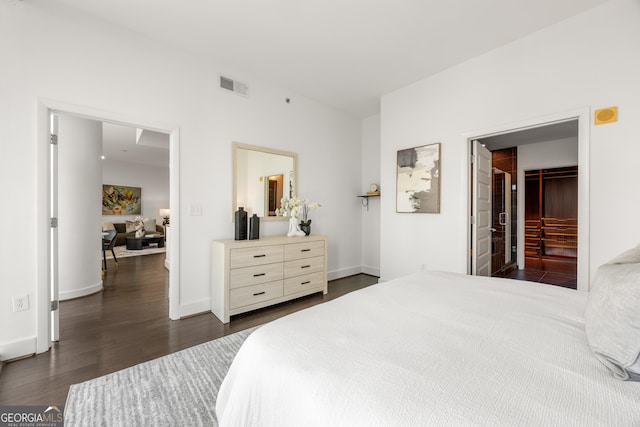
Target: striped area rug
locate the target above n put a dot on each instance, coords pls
(175, 390)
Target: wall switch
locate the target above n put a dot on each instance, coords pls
(195, 209)
(20, 303)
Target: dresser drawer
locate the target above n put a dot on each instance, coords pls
(303, 266)
(304, 250)
(245, 257)
(254, 294)
(247, 276)
(313, 281)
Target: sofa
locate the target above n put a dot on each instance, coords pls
(121, 228)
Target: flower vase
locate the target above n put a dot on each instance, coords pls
(140, 233)
(294, 228)
(306, 227)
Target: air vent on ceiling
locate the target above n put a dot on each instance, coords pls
(234, 86)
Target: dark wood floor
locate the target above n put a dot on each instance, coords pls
(126, 324)
(566, 280)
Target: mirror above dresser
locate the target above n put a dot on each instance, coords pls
(261, 177)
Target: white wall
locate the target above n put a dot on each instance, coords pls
(371, 175)
(153, 180)
(549, 154)
(588, 61)
(52, 52)
(79, 196)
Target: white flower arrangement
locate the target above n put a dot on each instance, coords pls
(297, 208)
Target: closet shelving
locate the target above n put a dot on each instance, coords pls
(551, 225)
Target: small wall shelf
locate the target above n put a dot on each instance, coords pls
(365, 199)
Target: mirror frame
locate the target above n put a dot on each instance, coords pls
(235, 146)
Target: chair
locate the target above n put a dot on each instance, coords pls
(108, 242)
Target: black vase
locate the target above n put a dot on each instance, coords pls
(306, 228)
(241, 224)
(254, 227)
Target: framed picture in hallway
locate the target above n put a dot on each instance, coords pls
(418, 179)
(121, 200)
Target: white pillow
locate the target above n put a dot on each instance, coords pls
(150, 225)
(108, 226)
(612, 315)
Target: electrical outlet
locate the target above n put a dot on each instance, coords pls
(20, 303)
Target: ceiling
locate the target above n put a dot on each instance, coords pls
(555, 131)
(131, 145)
(343, 53)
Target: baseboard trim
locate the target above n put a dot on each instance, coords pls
(343, 272)
(83, 292)
(18, 349)
(198, 307)
(372, 271)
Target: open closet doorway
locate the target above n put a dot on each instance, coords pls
(49, 287)
(558, 257)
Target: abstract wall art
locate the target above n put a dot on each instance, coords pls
(121, 200)
(418, 179)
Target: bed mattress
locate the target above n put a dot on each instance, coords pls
(433, 348)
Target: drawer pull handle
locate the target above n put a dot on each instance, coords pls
(305, 266)
(258, 275)
(305, 250)
(259, 293)
(259, 256)
(306, 283)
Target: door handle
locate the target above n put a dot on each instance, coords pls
(493, 230)
(503, 217)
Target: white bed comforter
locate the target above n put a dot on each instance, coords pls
(428, 349)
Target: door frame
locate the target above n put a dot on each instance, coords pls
(582, 115)
(44, 108)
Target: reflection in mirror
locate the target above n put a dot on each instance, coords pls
(262, 177)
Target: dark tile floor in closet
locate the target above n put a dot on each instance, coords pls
(566, 280)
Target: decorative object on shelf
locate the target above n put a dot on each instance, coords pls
(374, 191)
(254, 227)
(139, 226)
(294, 228)
(298, 210)
(418, 179)
(241, 224)
(306, 228)
(164, 213)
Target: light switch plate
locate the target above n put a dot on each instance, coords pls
(195, 209)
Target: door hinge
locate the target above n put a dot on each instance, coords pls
(53, 222)
(54, 139)
(473, 158)
(473, 220)
(54, 305)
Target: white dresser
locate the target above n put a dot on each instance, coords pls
(251, 274)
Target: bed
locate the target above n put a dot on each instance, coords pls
(433, 348)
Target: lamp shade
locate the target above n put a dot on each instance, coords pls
(164, 212)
